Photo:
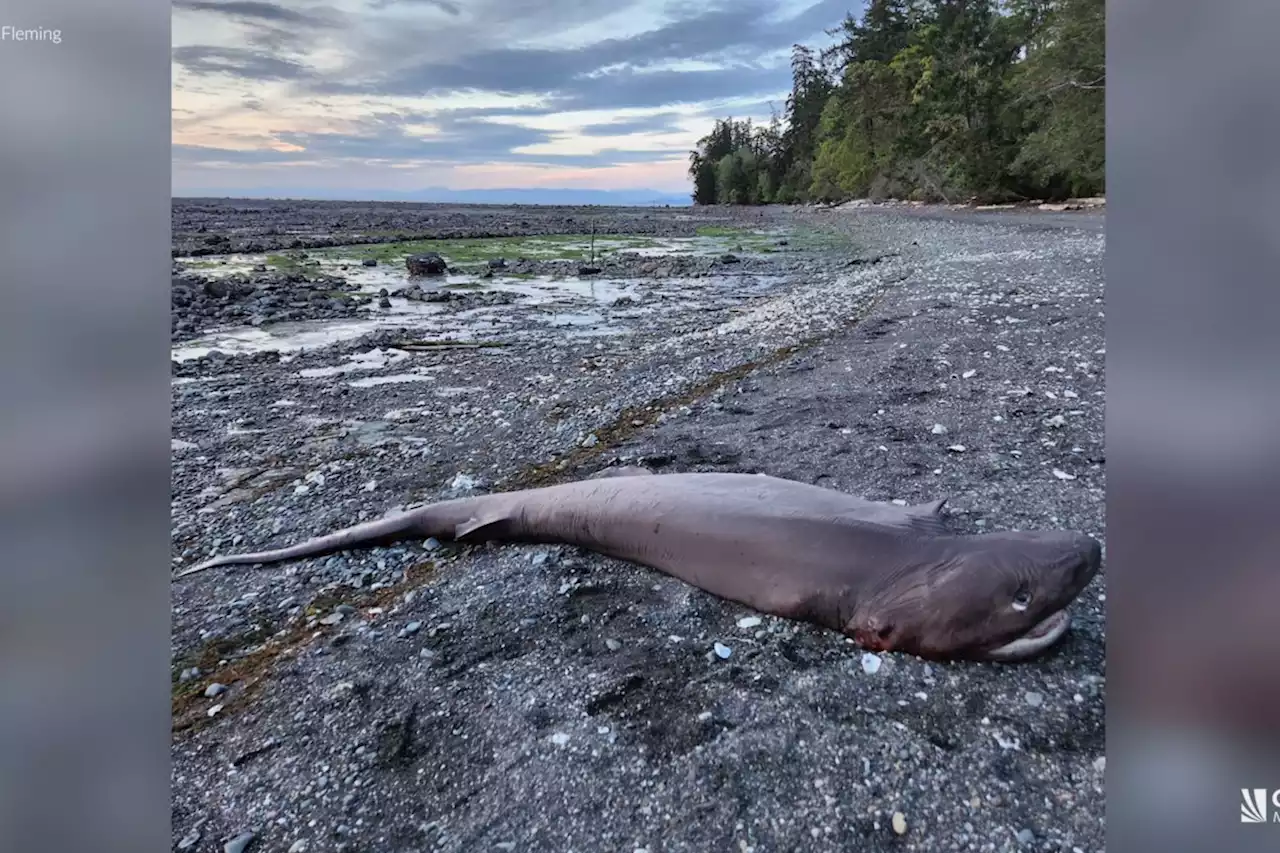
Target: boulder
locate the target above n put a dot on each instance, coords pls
(427, 263)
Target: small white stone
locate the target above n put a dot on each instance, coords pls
(938, 429)
(559, 738)
(968, 374)
(957, 448)
(1005, 743)
(1063, 475)
(871, 663)
(722, 651)
(749, 622)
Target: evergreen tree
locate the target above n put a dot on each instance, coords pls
(932, 99)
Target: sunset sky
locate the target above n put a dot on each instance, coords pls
(396, 94)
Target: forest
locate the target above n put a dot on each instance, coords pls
(932, 100)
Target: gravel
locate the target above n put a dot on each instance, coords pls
(542, 698)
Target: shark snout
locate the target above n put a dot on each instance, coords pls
(1087, 560)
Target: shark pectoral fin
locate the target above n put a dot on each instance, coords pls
(488, 527)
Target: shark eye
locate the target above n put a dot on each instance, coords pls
(1022, 598)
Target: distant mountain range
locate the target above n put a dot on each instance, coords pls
(528, 195)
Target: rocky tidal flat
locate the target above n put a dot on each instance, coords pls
(425, 697)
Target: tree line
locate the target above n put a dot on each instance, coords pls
(935, 100)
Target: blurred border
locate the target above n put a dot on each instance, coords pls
(84, 424)
(1193, 559)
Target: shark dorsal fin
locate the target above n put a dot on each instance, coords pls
(928, 518)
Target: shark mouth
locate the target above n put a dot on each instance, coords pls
(1041, 636)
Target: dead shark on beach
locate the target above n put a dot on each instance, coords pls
(893, 578)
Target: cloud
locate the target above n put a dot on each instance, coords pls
(237, 62)
(252, 11)
(734, 34)
(385, 136)
(398, 84)
(659, 123)
(396, 137)
(630, 89)
(446, 6)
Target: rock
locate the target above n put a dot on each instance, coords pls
(899, 823)
(497, 263)
(870, 663)
(722, 651)
(238, 844)
(369, 262)
(384, 302)
(749, 622)
(938, 429)
(730, 259)
(214, 690)
(427, 263)
(588, 270)
(219, 288)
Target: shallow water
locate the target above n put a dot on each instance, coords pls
(568, 308)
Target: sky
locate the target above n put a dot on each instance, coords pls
(351, 95)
